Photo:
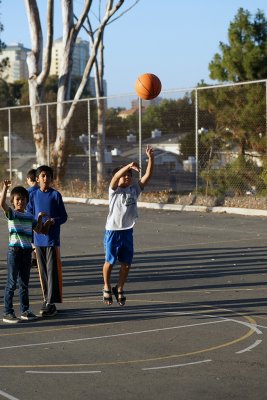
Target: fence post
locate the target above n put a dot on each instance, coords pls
(47, 135)
(266, 115)
(9, 143)
(196, 136)
(89, 147)
(140, 136)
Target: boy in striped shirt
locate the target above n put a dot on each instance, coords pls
(20, 225)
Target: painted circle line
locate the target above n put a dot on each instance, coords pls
(177, 365)
(251, 324)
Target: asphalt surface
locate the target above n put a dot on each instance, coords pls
(193, 327)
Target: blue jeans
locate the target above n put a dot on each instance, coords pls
(18, 269)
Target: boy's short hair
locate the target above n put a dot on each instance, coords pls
(44, 168)
(19, 190)
(115, 170)
(31, 174)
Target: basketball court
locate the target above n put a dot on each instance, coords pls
(193, 327)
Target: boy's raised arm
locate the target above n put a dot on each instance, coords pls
(6, 185)
(149, 169)
(116, 177)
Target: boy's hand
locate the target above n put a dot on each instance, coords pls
(7, 183)
(149, 151)
(135, 166)
(42, 214)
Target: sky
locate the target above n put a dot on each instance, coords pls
(173, 39)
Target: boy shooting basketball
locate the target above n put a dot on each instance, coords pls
(118, 239)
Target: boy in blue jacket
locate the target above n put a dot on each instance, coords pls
(47, 246)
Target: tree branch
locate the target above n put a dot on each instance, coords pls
(108, 14)
(34, 60)
(47, 55)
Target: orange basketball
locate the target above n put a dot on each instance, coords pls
(148, 86)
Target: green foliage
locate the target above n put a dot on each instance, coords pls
(245, 57)
(240, 112)
(169, 116)
(263, 175)
(188, 145)
(116, 126)
(5, 62)
(239, 115)
(236, 178)
(6, 95)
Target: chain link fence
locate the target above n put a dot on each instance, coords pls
(208, 141)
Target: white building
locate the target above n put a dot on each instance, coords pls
(80, 57)
(17, 68)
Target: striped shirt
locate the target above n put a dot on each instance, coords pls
(20, 227)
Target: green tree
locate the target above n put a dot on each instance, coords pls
(4, 62)
(6, 95)
(245, 57)
(116, 127)
(239, 111)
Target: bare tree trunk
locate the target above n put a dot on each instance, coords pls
(39, 64)
(38, 118)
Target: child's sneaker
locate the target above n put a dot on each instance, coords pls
(11, 318)
(28, 315)
(50, 310)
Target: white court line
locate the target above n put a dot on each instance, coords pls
(261, 326)
(249, 325)
(63, 372)
(7, 396)
(111, 336)
(177, 365)
(256, 343)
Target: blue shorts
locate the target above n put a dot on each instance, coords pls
(119, 245)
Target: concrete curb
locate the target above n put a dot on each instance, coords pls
(175, 207)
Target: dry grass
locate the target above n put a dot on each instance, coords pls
(79, 189)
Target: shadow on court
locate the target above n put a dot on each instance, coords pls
(196, 311)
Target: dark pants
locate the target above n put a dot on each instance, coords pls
(18, 269)
(50, 272)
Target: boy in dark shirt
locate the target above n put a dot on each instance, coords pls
(47, 246)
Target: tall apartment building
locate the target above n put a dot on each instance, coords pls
(80, 56)
(17, 68)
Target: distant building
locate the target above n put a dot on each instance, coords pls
(135, 107)
(126, 113)
(80, 56)
(147, 103)
(17, 68)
